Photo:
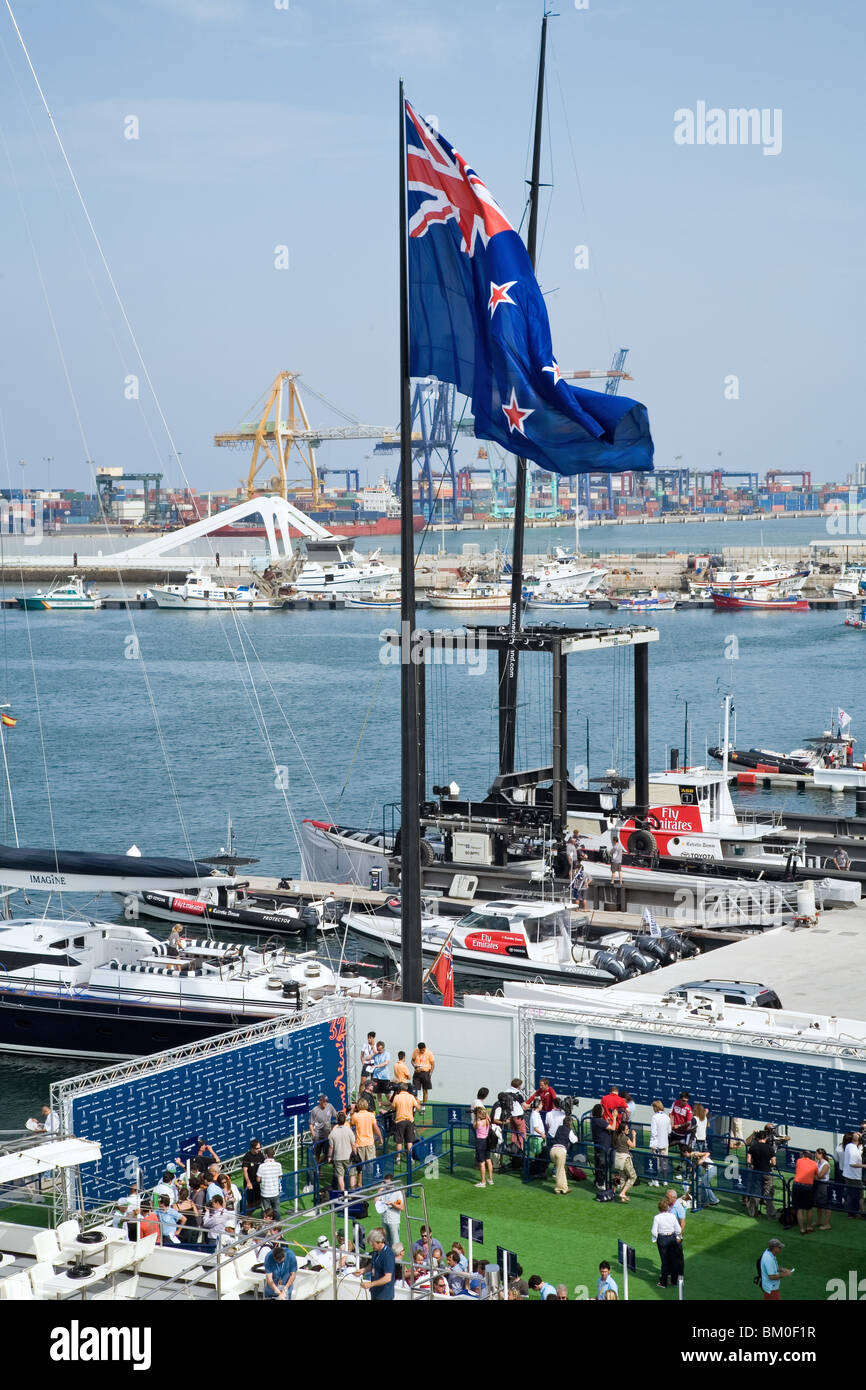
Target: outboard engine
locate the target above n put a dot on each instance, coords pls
(674, 941)
(642, 964)
(654, 947)
(308, 919)
(606, 960)
(688, 948)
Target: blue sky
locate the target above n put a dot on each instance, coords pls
(261, 126)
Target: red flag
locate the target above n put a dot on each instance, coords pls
(442, 974)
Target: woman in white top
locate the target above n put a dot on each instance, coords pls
(668, 1236)
(660, 1133)
(822, 1191)
(701, 1116)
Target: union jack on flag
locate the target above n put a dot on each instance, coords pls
(477, 318)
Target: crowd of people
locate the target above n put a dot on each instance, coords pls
(200, 1204)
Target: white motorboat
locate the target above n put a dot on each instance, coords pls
(72, 595)
(564, 569)
(333, 567)
(851, 582)
(198, 591)
(529, 940)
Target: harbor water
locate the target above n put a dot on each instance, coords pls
(151, 728)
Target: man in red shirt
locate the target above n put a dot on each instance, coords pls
(545, 1094)
(613, 1103)
(681, 1118)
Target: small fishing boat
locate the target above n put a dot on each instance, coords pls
(379, 599)
(72, 595)
(198, 591)
(653, 602)
(766, 575)
(473, 595)
(556, 600)
(759, 599)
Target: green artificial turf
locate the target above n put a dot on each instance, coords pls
(563, 1238)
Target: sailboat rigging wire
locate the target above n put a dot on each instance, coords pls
(83, 436)
(175, 454)
(592, 265)
(361, 734)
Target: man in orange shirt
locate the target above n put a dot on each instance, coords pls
(405, 1105)
(401, 1069)
(366, 1131)
(423, 1062)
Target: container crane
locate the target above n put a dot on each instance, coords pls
(282, 427)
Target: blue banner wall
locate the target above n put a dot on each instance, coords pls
(759, 1088)
(226, 1098)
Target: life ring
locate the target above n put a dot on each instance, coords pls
(643, 843)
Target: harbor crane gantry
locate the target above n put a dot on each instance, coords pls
(282, 427)
(774, 474)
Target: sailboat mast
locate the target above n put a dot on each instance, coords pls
(508, 691)
(410, 811)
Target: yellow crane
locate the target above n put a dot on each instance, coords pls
(282, 427)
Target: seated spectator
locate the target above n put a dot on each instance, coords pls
(216, 1220)
(189, 1234)
(458, 1250)
(214, 1187)
(427, 1243)
(440, 1286)
(149, 1222)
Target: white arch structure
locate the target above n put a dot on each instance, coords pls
(277, 514)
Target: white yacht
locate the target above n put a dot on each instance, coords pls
(333, 567)
(106, 990)
(200, 591)
(565, 569)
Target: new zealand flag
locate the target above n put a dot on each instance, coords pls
(477, 318)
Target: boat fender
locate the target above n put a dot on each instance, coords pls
(393, 906)
(642, 842)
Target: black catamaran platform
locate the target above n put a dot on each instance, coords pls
(82, 871)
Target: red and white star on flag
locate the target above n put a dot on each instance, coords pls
(499, 295)
(514, 415)
(554, 368)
